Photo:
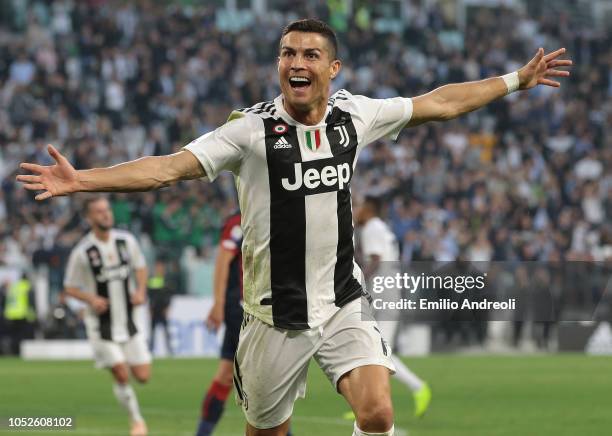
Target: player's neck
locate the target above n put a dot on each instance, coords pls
(101, 235)
(309, 117)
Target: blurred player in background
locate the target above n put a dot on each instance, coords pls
(160, 297)
(293, 159)
(101, 272)
(227, 308)
(380, 256)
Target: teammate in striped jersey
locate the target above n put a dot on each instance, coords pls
(302, 288)
(107, 270)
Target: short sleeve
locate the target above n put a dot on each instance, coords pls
(136, 255)
(75, 276)
(384, 118)
(225, 147)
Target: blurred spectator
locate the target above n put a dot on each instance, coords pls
(18, 312)
(526, 178)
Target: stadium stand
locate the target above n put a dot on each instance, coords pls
(527, 178)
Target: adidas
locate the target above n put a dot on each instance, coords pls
(282, 143)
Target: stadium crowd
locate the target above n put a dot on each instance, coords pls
(529, 177)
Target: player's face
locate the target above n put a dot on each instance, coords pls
(100, 215)
(305, 69)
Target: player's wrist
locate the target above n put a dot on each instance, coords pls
(512, 81)
(80, 184)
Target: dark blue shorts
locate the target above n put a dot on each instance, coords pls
(233, 319)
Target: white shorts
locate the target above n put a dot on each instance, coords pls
(271, 364)
(109, 353)
(388, 330)
(388, 321)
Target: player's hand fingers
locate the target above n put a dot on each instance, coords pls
(34, 186)
(554, 54)
(31, 167)
(43, 196)
(557, 73)
(549, 83)
(28, 178)
(559, 63)
(55, 154)
(538, 57)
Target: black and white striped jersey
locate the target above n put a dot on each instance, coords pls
(107, 268)
(293, 184)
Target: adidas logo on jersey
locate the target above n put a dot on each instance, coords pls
(282, 143)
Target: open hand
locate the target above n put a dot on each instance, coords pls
(541, 67)
(53, 180)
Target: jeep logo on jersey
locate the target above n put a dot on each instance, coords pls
(329, 176)
(107, 274)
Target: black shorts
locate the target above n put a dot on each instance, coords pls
(233, 319)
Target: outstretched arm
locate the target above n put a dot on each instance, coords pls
(451, 101)
(143, 174)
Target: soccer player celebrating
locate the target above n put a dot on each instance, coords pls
(293, 161)
(380, 253)
(101, 272)
(227, 287)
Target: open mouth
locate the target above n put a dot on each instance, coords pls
(299, 82)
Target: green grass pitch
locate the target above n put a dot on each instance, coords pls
(473, 395)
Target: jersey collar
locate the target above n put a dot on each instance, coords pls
(278, 104)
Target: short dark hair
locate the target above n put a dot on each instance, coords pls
(375, 202)
(313, 25)
(92, 199)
